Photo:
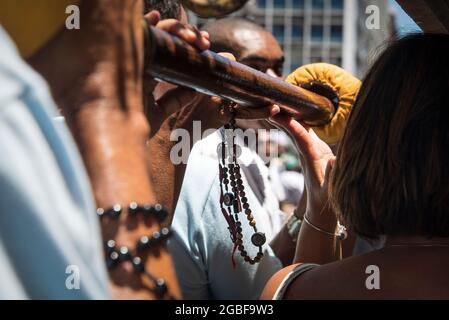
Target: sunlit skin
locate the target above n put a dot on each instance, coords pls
(101, 98)
(259, 50)
(249, 43)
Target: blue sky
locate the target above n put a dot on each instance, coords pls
(404, 23)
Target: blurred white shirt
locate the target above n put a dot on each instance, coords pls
(202, 247)
(49, 232)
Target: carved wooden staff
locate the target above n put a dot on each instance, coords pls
(170, 59)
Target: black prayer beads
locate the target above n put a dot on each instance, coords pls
(114, 256)
(233, 198)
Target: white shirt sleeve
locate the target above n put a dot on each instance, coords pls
(50, 245)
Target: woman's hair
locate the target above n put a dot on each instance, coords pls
(391, 176)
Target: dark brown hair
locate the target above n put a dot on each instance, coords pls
(392, 171)
(169, 9)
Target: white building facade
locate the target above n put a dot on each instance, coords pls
(331, 31)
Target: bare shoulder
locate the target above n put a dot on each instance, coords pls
(381, 274)
(321, 282)
(275, 281)
(337, 280)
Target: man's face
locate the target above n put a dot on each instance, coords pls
(259, 50)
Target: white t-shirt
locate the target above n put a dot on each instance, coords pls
(50, 241)
(201, 246)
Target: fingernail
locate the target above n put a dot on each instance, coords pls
(206, 43)
(189, 33)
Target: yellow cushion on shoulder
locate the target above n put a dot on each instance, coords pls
(32, 23)
(345, 85)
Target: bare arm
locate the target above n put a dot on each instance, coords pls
(313, 246)
(95, 77)
(317, 159)
(283, 245)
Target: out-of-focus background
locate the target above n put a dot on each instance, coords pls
(347, 33)
(331, 31)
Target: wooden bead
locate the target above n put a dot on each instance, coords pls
(114, 212)
(258, 239)
(228, 199)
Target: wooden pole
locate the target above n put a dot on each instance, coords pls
(170, 59)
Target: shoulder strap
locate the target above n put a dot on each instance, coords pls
(295, 273)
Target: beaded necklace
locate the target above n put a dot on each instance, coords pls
(233, 200)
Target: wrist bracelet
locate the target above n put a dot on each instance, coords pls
(340, 235)
(114, 255)
(133, 209)
(293, 226)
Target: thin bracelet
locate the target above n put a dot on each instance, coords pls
(293, 226)
(341, 235)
